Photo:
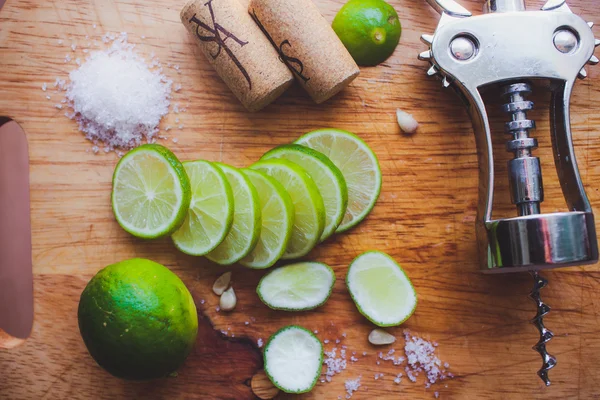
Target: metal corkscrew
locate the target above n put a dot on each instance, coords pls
(513, 49)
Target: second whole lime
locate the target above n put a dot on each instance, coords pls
(138, 320)
(370, 30)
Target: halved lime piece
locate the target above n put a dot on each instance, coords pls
(211, 211)
(359, 166)
(309, 212)
(277, 217)
(297, 287)
(293, 358)
(151, 192)
(380, 288)
(245, 230)
(327, 177)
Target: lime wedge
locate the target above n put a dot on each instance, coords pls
(359, 166)
(211, 211)
(327, 177)
(245, 229)
(277, 216)
(297, 287)
(151, 192)
(381, 290)
(309, 212)
(293, 358)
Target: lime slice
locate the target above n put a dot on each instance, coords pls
(245, 230)
(359, 166)
(151, 192)
(293, 358)
(297, 287)
(381, 290)
(309, 212)
(327, 177)
(277, 216)
(211, 211)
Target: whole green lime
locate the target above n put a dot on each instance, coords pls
(370, 30)
(137, 319)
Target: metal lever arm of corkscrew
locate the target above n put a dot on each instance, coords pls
(449, 7)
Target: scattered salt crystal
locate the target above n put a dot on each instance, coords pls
(259, 342)
(59, 106)
(337, 341)
(60, 41)
(143, 36)
(94, 26)
(73, 47)
(246, 322)
(177, 119)
(48, 97)
(378, 375)
(364, 353)
(437, 395)
(87, 37)
(421, 357)
(176, 66)
(378, 363)
(117, 99)
(202, 301)
(353, 359)
(352, 385)
(95, 149)
(217, 308)
(326, 341)
(315, 331)
(63, 101)
(344, 334)
(167, 127)
(85, 50)
(78, 61)
(44, 86)
(334, 364)
(398, 378)
(67, 58)
(178, 87)
(180, 126)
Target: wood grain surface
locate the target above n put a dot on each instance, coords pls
(425, 219)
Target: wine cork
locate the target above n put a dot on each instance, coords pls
(238, 50)
(307, 44)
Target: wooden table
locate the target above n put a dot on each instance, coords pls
(424, 218)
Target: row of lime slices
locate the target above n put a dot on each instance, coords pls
(296, 196)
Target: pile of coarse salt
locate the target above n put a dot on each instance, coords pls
(117, 100)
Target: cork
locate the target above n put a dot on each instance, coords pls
(308, 45)
(238, 50)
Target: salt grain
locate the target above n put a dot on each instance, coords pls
(44, 86)
(48, 97)
(352, 385)
(398, 378)
(259, 342)
(73, 47)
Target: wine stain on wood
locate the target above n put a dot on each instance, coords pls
(424, 218)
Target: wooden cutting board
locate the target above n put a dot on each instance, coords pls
(424, 218)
